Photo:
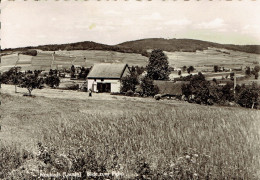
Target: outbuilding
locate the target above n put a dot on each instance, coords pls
(106, 77)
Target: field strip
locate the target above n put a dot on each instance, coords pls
(75, 95)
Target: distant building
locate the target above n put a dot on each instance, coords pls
(106, 77)
(170, 88)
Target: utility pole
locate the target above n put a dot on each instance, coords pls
(235, 82)
(15, 76)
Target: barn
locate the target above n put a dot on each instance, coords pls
(106, 77)
(170, 88)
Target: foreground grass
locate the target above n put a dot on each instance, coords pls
(149, 139)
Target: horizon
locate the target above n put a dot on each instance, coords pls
(115, 22)
(131, 41)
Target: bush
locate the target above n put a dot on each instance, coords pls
(147, 86)
(30, 53)
(157, 96)
(129, 93)
(248, 96)
(129, 82)
(52, 81)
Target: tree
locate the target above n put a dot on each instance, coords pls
(184, 68)
(214, 80)
(257, 68)
(129, 82)
(190, 69)
(83, 73)
(232, 75)
(15, 78)
(158, 66)
(138, 70)
(216, 68)
(248, 71)
(52, 81)
(179, 73)
(147, 86)
(248, 96)
(72, 71)
(186, 90)
(201, 89)
(256, 75)
(51, 72)
(11, 76)
(227, 91)
(31, 82)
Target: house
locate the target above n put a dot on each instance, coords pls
(106, 77)
(170, 88)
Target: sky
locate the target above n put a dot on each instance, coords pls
(31, 23)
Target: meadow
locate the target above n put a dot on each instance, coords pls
(64, 59)
(201, 60)
(206, 59)
(156, 139)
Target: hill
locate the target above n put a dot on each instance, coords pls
(185, 45)
(86, 45)
(201, 54)
(141, 46)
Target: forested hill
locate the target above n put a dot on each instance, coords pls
(86, 45)
(188, 45)
(141, 46)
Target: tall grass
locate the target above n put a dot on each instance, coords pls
(150, 139)
(228, 137)
(11, 158)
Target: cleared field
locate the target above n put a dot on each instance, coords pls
(94, 56)
(203, 142)
(212, 57)
(9, 60)
(201, 60)
(64, 59)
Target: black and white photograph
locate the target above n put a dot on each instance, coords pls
(130, 89)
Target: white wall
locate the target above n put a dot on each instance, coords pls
(115, 84)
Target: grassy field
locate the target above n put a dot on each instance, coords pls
(64, 59)
(212, 57)
(139, 136)
(201, 60)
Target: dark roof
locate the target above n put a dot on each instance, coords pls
(107, 70)
(170, 87)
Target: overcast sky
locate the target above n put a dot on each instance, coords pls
(30, 23)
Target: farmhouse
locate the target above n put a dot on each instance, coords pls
(106, 77)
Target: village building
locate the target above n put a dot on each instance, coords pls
(106, 77)
(170, 88)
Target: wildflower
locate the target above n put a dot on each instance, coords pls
(195, 155)
(195, 174)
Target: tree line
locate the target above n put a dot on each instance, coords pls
(198, 90)
(30, 79)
